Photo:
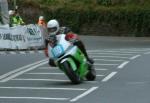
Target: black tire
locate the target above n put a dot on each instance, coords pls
(91, 75)
(75, 78)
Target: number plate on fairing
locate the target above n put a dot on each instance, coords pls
(57, 51)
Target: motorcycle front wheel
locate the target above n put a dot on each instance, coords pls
(72, 75)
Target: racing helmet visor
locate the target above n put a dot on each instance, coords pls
(51, 30)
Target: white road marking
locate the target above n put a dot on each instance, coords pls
(44, 88)
(84, 94)
(130, 51)
(12, 52)
(103, 69)
(126, 52)
(49, 80)
(96, 56)
(134, 57)
(110, 54)
(2, 53)
(105, 64)
(23, 71)
(147, 53)
(41, 51)
(108, 60)
(23, 79)
(35, 98)
(22, 52)
(31, 52)
(53, 74)
(136, 49)
(45, 73)
(20, 69)
(139, 50)
(109, 76)
(93, 82)
(100, 75)
(49, 68)
(53, 68)
(123, 65)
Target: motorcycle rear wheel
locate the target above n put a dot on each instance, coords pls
(91, 75)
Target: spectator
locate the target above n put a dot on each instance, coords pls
(15, 18)
(42, 21)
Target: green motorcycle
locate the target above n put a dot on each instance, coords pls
(71, 60)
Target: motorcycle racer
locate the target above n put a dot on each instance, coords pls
(54, 29)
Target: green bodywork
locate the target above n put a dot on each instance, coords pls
(81, 67)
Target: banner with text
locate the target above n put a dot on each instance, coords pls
(21, 37)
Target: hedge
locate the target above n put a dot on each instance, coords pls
(127, 20)
(134, 22)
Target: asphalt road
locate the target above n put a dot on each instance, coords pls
(122, 68)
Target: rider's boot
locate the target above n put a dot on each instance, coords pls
(90, 60)
(80, 45)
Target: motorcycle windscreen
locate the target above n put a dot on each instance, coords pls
(57, 51)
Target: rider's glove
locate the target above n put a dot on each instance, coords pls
(70, 36)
